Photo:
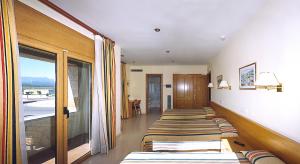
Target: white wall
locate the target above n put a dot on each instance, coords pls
(117, 50)
(272, 40)
(137, 80)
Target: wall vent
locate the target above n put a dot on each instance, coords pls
(136, 70)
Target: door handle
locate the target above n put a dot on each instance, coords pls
(67, 112)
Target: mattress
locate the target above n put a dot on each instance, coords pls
(185, 157)
(185, 130)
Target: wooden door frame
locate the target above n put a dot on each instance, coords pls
(61, 92)
(26, 41)
(161, 91)
(66, 56)
(209, 89)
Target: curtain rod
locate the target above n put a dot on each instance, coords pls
(71, 17)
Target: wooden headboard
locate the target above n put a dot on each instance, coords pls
(260, 137)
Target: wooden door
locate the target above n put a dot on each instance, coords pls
(179, 91)
(190, 91)
(200, 91)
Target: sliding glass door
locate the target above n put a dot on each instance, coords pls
(57, 99)
(38, 73)
(79, 107)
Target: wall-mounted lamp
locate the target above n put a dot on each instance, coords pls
(224, 85)
(268, 80)
(210, 85)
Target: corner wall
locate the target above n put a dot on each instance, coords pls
(137, 80)
(272, 40)
(117, 50)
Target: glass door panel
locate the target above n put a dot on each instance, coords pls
(38, 73)
(79, 106)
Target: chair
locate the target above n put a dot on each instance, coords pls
(137, 107)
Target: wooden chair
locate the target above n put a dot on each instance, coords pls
(137, 107)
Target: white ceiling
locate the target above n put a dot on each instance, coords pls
(190, 29)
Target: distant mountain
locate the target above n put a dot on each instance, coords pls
(37, 82)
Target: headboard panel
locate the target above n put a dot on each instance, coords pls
(260, 137)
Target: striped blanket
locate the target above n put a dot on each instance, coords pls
(186, 157)
(186, 130)
(184, 114)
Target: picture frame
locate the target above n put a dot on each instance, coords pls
(219, 79)
(247, 77)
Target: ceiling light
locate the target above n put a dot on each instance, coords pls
(223, 37)
(157, 29)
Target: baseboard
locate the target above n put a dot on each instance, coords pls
(260, 137)
(83, 158)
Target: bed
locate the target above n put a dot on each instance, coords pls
(183, 146)
(172, 132)
(188, 114)
(246, 157)
(191, 158)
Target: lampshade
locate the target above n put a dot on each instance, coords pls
(266, 79)
(210, 85)
(224, 84)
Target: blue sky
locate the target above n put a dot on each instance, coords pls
(37, 68)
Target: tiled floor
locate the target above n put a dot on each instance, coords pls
(130, 139)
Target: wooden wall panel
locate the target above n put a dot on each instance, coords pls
(33, 24)
(260, 137)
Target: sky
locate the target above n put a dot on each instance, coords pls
(37, 68)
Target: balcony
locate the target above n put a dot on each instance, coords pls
(40, 126)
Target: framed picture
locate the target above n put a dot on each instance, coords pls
(219, 79)
(248, 76)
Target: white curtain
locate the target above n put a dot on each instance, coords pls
(99, 142)
(79, 99)
(117, 50)
(84, 101)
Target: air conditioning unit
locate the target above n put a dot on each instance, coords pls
(136, 70)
